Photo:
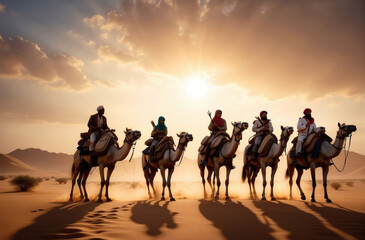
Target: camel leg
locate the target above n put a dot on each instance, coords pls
(81, 175)
(227, 182)
(313, 173)
(209, 179)
(300, 173)
(291, 173)
(256, 171)
(249, 172)
(74, 176)
(109, 173)
(263, 171)
(102, 182)
(146, 176)
(202, 171)
(325, 173)
(152, 177)
(216, 172)
(273, 171)
(162, 169)
(171, 171)
(86, 175)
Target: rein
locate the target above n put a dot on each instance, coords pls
(182, 149)
(346, 154)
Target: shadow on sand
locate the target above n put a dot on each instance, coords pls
(349, 221)
(300, 224)
(153, 215)
(53, 224)
(234, 220)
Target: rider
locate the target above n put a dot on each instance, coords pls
(306, 126)
(262, 126)
(158, 133)
(217, 124)
(97, 123)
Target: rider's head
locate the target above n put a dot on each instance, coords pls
(308, 113)
(218, 114)
(100, 110)
(161, 120)
(263, 115)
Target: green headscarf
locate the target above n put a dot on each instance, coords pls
(161, 127)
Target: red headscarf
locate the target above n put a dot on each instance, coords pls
(308, 110)
(218, 120)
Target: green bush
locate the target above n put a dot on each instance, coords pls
(336, 185)
(61, 180)
(24, 182)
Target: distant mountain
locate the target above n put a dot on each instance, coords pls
(12, 165)
(44, 160)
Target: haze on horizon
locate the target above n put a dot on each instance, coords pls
(59, 60)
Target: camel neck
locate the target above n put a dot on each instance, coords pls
(337, 146)
(122, 153)
(175, 155)
(281, 146)
(230, 148)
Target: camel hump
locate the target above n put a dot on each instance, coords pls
(312, 140)
(105, 141)
(266, 144)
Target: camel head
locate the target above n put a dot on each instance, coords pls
(286, 131)
(131, 136)
(320, 130)
(345, 130)
(184, 138)
(239, 127)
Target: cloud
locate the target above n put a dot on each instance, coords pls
(23, 59)
(274, 49)
(2, 8)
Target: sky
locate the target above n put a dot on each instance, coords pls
(60, 60)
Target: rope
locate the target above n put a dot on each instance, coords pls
(182, 156)
(346, 155)
(134, 146)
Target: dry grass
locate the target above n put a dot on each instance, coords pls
(336, 185)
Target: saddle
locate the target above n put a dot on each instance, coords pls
(165, 144)
(148, 142)
(105, 139)
(265, 145)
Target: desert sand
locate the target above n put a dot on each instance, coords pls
(45, 213)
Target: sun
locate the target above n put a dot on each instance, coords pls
(197, 87)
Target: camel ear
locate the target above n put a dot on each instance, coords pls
(282, 128)
(339, 124)
(125, 132)
(232, 124)
(178, 134)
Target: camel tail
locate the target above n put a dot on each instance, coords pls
(287, 173)
(244, 174)
(73, 170)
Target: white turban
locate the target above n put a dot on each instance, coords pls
(100, 108)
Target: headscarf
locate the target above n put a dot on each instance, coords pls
(306, 111)
(219, 121)
(161, 127)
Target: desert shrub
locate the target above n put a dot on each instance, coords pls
(350, 184)
(2, 178)
(24, 182)
(336, 185)
(46, 179)
(61, 180)
(39, 179)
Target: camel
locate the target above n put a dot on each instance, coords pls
(114, 154)
(226, 155)
(327, 152)
(170, 157)
(251, 169)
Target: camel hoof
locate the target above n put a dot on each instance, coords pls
(162, 198)
(70, 200)
(99, 200)
(108, 200)
(263, 198)
(216, 197)
(172, 199)
(328, 200)
(273, 199)
(303, 197)
(87, 200)
(313, 200)
(228, 198)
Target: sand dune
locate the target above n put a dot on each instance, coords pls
(9, 165)
(45, 214)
